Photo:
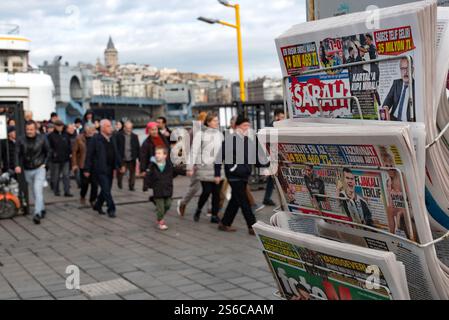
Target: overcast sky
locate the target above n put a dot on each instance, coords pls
(161, 33)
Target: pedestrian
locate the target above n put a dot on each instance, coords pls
(78, 125)
(88, 117)
(195, 184)
(159, 177)
(102, 159)
(79, 154)
(71, 133)
(50, 128)
(97, 124)
(223, 194)
(118, 126)
(61, 151)
(238, 170)
(32, 155)
(279, 115)
(9, 150)
(147, 150)
(129, 148)
(206, 145)
(28, 116)
(163, 129)
(54, 117)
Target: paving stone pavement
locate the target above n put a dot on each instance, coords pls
(189, 261)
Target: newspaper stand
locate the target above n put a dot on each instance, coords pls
(359, 110)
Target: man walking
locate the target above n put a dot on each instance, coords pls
(102, 159)
(238, 151)
(129, 149)
(61, 150)
(32, 155)
(79, 154)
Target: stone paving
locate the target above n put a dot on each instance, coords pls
(189, 261)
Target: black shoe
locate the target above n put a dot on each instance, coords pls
(112, 214)
(132, 189)
(57, 194)
(99, 210)
(269, 203)
(196, 217)
(151, 199)
(120, 186)
(215, 220)
(43, 213)
(68, 195)
(37, 219)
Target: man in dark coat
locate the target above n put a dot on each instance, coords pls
(129, 149)
(398, 99)
(102, 159)
(238, 152)
(61, 151)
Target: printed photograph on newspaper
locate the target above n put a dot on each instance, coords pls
(359, 184)
(304, 274)
(380, 90)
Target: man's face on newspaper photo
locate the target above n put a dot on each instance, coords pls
(349, 180)
(308, 171)
(404, 71)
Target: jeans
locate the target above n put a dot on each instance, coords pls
(36, 179)
(210, 188)
(269, 189)
(56, 170)
(105, 183)
(239, 200)
(85, 182)
(162, 207)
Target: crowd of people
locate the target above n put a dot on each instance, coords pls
(94, 151)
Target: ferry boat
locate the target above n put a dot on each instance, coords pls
(19, 81)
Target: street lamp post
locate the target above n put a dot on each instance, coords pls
(237, 27)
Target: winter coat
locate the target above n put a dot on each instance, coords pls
(147, 152)
(160, 181)
(135, 145)
(61, 147)
(32, 153)
(205, 147)
(96, 158)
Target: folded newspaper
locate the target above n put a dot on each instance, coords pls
(306, 267)
(395, 69)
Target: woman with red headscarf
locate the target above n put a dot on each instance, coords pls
(154, 140)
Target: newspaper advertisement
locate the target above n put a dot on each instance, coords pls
(304, 272)
(334, 181)
(318, 84)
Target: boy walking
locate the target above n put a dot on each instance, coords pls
(159, 177)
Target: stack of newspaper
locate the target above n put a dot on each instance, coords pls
(344, 175)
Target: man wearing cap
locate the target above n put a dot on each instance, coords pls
(61, 151)
(239, 152)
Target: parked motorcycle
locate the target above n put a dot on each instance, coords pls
(9, 196)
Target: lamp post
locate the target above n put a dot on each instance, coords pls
(236, 26)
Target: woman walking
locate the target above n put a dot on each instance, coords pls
(206, 144)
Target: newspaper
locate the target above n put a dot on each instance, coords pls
(310, 268)
(388, 80)
(331, 171)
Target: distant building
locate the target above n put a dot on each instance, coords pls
(111, 57)
(73, 88)
(265, 89)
